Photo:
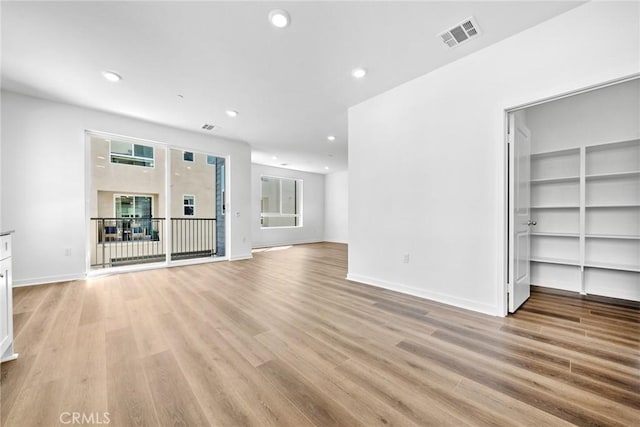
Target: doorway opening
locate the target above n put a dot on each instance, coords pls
(574, 194)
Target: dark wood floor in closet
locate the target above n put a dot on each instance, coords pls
(285, 340)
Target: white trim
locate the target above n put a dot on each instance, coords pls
(125, 269)
(299, 188)
(503, 220)
(89, 133)
(193, 154)
(36, 281)
(13, 356)
(260, 245)
(193, 198)
(168, 241)
(132, 156)
(195, 261)
(134, 195)
(343, 242)
(241, 257)
(87, 199)
(579, 91)
(421, 293)
(152, 266)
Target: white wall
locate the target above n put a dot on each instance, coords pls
(43, 182)
(427, 159)
(312, 209)
(1, 224)
(609, 114)
(336, 207)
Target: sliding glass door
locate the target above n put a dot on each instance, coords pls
(135, 220)
(195, 196)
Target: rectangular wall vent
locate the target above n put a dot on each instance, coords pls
(207, 126)
(460, 33)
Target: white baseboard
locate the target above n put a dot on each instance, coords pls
(47, 279)
(259, 245)
(241, 257)
(434, 296)
(344, 242)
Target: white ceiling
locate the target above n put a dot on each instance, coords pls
(291, 86)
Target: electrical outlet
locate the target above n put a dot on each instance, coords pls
(406, 258)
(67, 252)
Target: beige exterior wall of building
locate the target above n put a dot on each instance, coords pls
(195, 178)
(109, 179)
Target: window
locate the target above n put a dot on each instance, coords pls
(281, 202)
(187, 156)
(133, 206)
(128, 153)
(189, 205)
(211, 160)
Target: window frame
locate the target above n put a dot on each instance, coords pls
(133, 195)
(193, 156)
(299, 185)
(132, 157)
(192, 205)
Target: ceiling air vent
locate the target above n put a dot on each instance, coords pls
(460, 33)
(207, 126)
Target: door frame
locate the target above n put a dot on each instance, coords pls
(88, 134)
(503, 290)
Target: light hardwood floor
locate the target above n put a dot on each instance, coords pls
(285, 340)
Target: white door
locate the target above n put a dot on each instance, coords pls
(519, 210)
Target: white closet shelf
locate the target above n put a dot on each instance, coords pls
(613, 266)
(556, 261)
(612, 236)
(565, 151)
(549, 234)
(613, 205)
(556, 207)
(629, 174)
(555, 180)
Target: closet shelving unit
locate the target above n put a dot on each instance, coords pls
(586, 203)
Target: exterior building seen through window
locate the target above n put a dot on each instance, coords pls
(281, 202)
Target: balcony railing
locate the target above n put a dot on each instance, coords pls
(128, 241)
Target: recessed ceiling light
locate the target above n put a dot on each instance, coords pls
(279, 18)
(359, 73)
(326, 167)
(274, 157)
(111, 76)
(331, 138)
(232, 113)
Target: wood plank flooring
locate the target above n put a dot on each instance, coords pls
(285, 340)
